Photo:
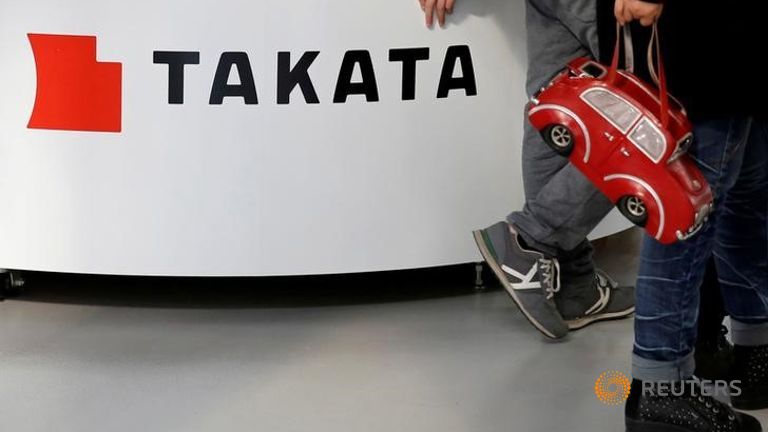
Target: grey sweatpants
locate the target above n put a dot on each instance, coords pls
(562, 207)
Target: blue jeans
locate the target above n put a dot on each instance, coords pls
(733, 156)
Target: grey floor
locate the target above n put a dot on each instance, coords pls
(406, 352)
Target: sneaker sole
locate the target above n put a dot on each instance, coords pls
(501, 276)
(580, 323)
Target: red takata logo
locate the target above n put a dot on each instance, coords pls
(74, 91)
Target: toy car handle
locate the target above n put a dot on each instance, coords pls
(661, 78)
(656, 70)
(629, 50)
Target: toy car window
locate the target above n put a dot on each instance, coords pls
(593, 70)
(615, 109)
(649, 139)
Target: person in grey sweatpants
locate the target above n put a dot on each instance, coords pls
(544, 245)
(562, 207)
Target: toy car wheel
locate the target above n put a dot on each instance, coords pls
(559, 138)
(633, 208)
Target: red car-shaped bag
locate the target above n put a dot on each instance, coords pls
(630, 140)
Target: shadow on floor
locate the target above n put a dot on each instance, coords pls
(257, 292)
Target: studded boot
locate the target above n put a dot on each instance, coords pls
(682, 407)
(751, 368)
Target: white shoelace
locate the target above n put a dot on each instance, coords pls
(550, 272)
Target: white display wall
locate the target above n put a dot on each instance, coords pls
(362, 180)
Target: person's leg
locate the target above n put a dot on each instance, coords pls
(741, 256)
(668, 298)
(669, 275)
(529, 273)
(546, 242)
(562, 206)
(714, 354)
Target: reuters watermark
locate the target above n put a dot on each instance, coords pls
(614, 387)
(693, 387)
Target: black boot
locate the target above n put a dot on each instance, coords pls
(682, 407)
(751, 368)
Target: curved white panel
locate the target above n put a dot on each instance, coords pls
(254, 189)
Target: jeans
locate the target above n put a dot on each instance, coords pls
(562, 207)
(733, 156)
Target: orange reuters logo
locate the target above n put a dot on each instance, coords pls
(612, 388)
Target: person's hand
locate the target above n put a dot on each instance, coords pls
(439, 8)
(627, 11)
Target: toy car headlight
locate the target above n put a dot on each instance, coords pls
(649, 139)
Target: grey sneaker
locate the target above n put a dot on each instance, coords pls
(530, 277)
(601, 300)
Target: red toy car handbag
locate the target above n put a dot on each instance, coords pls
(629, 139)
